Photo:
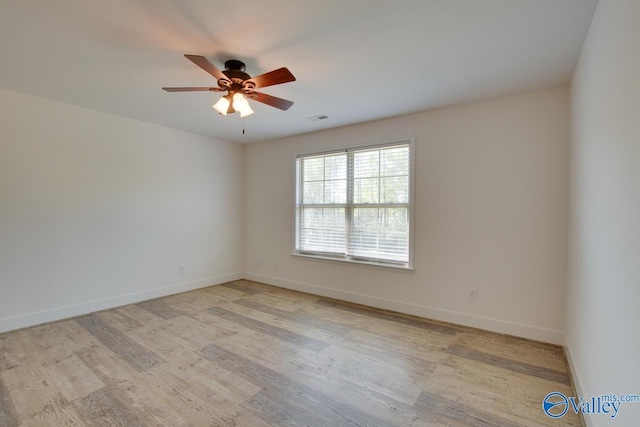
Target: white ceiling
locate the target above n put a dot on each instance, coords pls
(355, 60)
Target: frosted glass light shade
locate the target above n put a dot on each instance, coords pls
(222, 106)
(247, 111)
(241, 104)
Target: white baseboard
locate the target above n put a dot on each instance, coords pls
(578, 384)
(59, 313)
(481, 322)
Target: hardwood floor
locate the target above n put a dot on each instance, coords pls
(247, 354)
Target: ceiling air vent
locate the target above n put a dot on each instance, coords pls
(318, 117)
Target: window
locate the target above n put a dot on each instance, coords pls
(355, 204)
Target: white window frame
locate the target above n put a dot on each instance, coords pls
(406, 140)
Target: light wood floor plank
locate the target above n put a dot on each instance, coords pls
(265, 328)
(119, 320)
(297, 318)
(73, 378)
(489, 386)
(510, 364)
(390, 316)
(11, 354)
(105, 364)
(103, 408)
(8, 416)
(130, 351)
(30, 388)
(334, 411)
(430, 402)
(527, 351)
(300, 328)
(244, 287)
(161, 308)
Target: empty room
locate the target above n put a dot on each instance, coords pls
(303, 213)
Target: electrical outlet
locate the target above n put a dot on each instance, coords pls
(472, 294)
(183, 269)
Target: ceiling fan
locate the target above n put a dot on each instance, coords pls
(239, 86)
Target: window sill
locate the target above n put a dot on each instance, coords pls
(371, 264)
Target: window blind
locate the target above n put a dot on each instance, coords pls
(355, 204)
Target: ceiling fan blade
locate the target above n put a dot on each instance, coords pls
(192, 89)
(275, 77)
(273, 101)
(204, 63)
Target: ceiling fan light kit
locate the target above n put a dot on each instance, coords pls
(239, 86)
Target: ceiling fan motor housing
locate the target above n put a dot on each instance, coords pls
(234, 69)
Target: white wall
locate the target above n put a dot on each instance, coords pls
(603, 314)
(491, 209)
(98, 210)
